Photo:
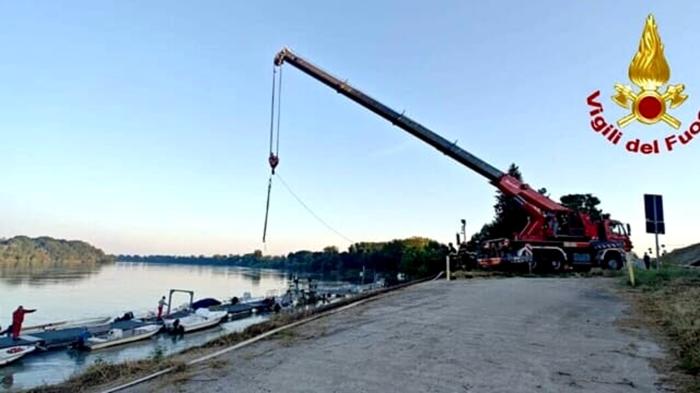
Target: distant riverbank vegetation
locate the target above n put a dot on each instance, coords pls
(23, 251)
(414, 256)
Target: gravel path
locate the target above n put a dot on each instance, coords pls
(495, 335)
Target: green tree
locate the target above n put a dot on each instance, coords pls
(330, 250)
(586, 203)
(510, 217)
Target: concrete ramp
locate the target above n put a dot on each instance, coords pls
(495, 335)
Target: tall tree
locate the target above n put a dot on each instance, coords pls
(586, 203)
(509, 217)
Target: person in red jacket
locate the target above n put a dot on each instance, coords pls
(17, 320)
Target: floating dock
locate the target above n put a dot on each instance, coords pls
(62, 338)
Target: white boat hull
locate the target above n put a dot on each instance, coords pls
(197, 321)
(141, 333)
(11, 354)
(201, 325)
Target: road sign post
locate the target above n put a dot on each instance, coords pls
(654, 212)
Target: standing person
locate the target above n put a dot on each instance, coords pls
(161, 304)
(17, 320)
(647, 261)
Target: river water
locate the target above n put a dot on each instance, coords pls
(66, 294)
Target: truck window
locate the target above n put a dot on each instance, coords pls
(618, 229)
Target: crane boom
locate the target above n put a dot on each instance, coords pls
(535, 204)
(554, 235)
(404, 122)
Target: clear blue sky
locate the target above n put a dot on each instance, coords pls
(141, 127)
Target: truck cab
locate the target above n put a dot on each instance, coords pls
(615, 231)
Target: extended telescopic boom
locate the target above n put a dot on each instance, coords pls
(398, 119)
(536, 204)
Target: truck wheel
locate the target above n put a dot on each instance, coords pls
(613, 262)
(556, 265)
(532, 266)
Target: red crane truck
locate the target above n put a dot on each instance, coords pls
(555, 237)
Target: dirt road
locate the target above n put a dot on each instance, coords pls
(499, 335)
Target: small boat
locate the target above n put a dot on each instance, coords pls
(120, 336)
(10, 354)
(89, 322)
(200, 319)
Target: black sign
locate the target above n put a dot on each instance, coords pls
(654, 211)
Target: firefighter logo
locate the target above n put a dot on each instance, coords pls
(649, 71)
(648, 103)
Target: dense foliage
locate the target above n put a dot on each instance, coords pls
(415, 256)
(586, 203)
(41, 251)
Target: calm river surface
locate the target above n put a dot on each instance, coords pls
(60, 293)
(64, 294)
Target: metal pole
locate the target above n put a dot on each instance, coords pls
(447, 263)
(658, 261)
(656, 234)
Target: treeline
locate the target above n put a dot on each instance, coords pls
(415, 257)
(23, 251)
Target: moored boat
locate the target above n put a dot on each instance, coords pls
(10, 354)
(88, 322)
(200, 319)
(120, 336)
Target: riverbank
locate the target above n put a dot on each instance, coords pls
(536, 334)
(103, 375)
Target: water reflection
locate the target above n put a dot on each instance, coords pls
(111, 290)
(56, 366)
(7, 381)
(255, 276)
(38, 275)
(87, 291)
(68, 293)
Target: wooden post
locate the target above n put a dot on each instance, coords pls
(630, 271)
(447, 263)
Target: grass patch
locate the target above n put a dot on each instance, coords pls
(652, 280)
(287, 337)
(101, 373)
(670, 298)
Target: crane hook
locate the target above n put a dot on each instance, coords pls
(274, 161)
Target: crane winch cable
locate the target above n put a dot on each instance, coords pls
(279, 114)
(310, 211)
(273, 157)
